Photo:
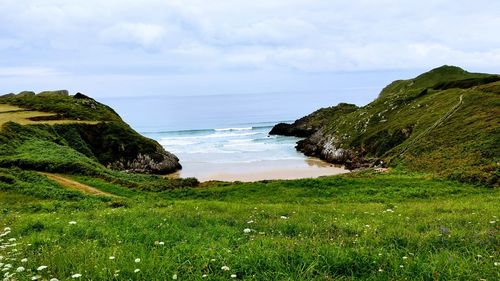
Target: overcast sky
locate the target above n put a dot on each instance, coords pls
(195, 47)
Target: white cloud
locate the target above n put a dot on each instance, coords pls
(28, 71)
(163, 37)
(142, 34)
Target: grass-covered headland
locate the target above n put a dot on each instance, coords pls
(73, 205)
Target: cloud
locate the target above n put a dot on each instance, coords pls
(168, 37)
(28, 71)
(142, 34)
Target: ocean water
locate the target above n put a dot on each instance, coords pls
(227, 137)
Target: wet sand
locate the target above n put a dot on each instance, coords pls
(261, 170)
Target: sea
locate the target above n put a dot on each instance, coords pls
(226, 137)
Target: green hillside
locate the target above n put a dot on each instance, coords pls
(445, 121)
(56, 132)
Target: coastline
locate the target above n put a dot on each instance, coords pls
(261, 170)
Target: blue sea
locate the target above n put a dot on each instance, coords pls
(225, 137)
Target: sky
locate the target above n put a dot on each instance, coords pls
(113, 48)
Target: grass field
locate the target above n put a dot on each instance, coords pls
(9, 113)
(394, 226)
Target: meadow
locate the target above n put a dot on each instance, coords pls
(363, 226)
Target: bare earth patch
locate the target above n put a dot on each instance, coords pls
(10, 113)
(69, 183)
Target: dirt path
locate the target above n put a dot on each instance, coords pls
(437, 123)
(69, 183)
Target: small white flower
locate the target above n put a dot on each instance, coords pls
(12, 239)
(76, 275)
(24, 260)
(233, 276)
(204, 276)
(42, 267)
(284, 217)
(247, 230)
(72, 222)
(401, 266)
(36, 277)
(174, 277)
(225, 268)
(137, 260)
(54, 279)
(380, 270)
(212, 260)
(112, 258)
(405, 257)
(137, 270)
(250, 221)
(20, 269)
(161, 243)
(496, 263)
(492, 222)
(8, 265)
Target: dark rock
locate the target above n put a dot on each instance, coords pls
(285, 129)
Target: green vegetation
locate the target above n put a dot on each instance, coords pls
(409, 223)
(370, 226)
(73, 134)
(444, 121)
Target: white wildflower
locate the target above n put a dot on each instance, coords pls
(137, 260)
(42, 267)
(247, 230)
(161, 243)
(405, 257)
(112, 258)
(54, 279)
(137, 270)
(380, 270)
(284, 217)
(24, 260)
(496, 263)
(174, 277)
(12, 239)
(76, 275)
(250, 221)
(72, 222)
(233, 276)
(225, 268)
(20, 269)
(36, 277)
(204, 276)
(492, 222)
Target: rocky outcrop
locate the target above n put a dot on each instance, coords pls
(328, 148)
(163, 163)
(117, 146)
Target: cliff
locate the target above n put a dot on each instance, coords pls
(444, 121)
(56, 132)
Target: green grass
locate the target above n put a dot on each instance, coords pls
(401, 127)
(366, 226)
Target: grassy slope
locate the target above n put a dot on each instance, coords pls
(361, 226)
(73, 135)
(396, 125)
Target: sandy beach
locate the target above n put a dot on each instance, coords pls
(261, 170)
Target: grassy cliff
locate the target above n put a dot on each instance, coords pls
(444, 121)
(56, 132)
